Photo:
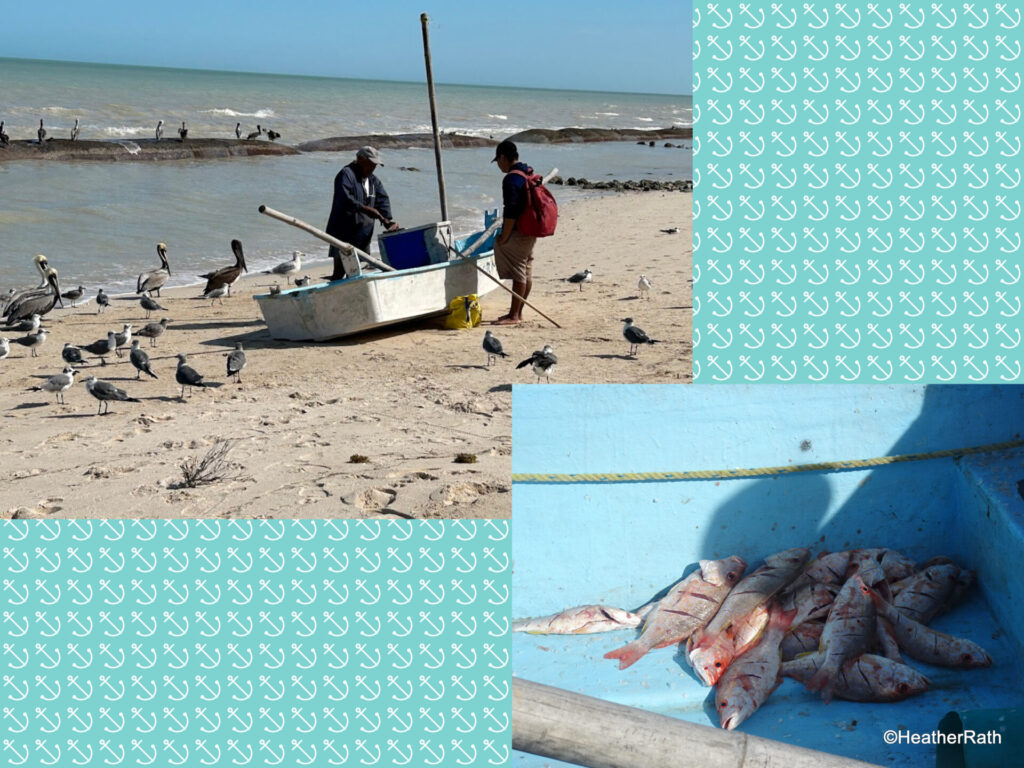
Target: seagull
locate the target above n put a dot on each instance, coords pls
(273, 135)
(492, 346)
(150, 305)
(152, 331)
(102, 348)
(217, 294)
(159, 130)
(635, 336)
(187, 376)
(74, 131)
(671, 231)
(255, 134)
(644, 285)
(4, 138)
(58, 384)
(287, 268)
(226, 275)
(155, 279)
(581, 277)
(29, 326)
(236, 362)
(238, 130)
(72, 355)
(302, 281)
(33, 341)
(41, 133)
(104, 391)
(183, 131)
(5, 348)
(102, 301)
(123, 338)
(543, 361)
(75, 294)
(140, 360)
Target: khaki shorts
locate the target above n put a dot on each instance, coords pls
(514, 259)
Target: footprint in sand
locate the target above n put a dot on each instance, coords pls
(466, 493)
(371, 499)
(43, 508)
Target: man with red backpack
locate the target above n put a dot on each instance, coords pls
(529, 212)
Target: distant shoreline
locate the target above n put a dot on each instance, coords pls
(206, 149)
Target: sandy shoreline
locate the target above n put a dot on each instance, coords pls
(409, 398)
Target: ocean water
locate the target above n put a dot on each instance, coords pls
(99, 222)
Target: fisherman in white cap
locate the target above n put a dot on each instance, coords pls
(359, 201)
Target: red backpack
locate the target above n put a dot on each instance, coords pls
(540, 216)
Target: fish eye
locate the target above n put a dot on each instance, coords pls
(718, 665)
(723, 705)
(902, 688)
(730, 576)
(966, 658)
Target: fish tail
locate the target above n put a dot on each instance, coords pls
(627, 655)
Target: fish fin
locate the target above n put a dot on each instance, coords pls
(627, 655)
(824, 680)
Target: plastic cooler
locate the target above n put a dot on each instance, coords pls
(416, 246)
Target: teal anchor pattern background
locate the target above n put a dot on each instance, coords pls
(256, 643)
(858, 192)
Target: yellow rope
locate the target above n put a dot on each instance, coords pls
(726, 474)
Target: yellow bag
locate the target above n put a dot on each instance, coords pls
(463, 312)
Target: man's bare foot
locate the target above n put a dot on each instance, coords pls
(506, 320)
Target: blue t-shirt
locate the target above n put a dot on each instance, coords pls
(513, 191)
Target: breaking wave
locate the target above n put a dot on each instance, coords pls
(232, 113)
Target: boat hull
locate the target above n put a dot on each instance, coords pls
(358, 304)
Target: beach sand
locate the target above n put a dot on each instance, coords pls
(409, 398)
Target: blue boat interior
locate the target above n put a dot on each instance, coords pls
(620, 544)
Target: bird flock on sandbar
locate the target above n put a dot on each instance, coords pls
(43, 136)
(22, 311)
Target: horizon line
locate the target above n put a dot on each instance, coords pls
(335, 77)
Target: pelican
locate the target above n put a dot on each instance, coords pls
(183, 131)
(58, 384)
(226, 276)
(238, 130)
(41, 133)
(255, 134)
(287, 268)
(155, 279)
(41, 264)
(159, 129)
(74, 131)
(273, 135)
(35, 304)
(4, 138)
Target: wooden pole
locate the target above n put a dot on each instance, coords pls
(599, 734)
(341, 245)
(424, 21)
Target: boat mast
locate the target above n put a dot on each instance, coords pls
(433, 118)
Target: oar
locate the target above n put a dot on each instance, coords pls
(482, 239)
(340, 245)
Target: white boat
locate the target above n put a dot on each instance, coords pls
(372, 299)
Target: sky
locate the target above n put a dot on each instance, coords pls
(639, 47)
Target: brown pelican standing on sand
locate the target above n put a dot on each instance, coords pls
(41, 133)
(74, 131)
(238, 130)
(25, 306)
(159, 129)
(183, 131)
(4, 138)
(226, 275)
(255, 134)
(154, 280)
(104, 391)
